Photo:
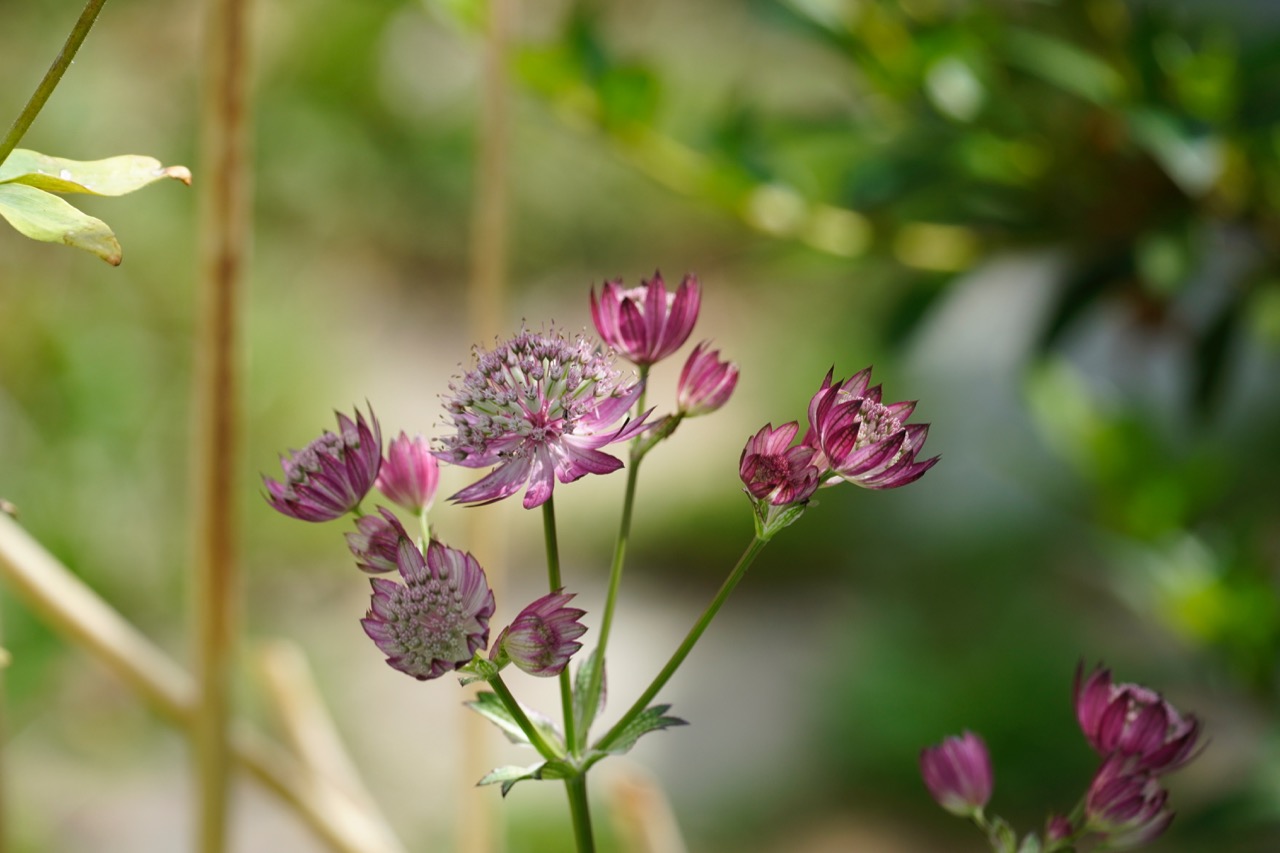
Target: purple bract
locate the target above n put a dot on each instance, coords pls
(376, 542)
(538, 407)
(706, 382)
(541, 640)
(330, 476)
(410, 473)
(772, 469)
(1124, 805)
(646, 324)
(438, 618)
(1133, 721)
(958, 774)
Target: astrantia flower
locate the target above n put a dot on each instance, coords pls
(646, 324)
(772, 469)
(1125, 806)
(861, 440)
(539, 407)
(330, 476)
(376, 541)
(1133, 721)
(541, 639)
(958, 774)
(438, 618)
(706, 382)
(410, 473)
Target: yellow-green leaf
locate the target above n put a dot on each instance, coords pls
(43, 216)
(112, 176)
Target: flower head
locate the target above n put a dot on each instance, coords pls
(410, 473)
(1124, 805)
(1133, 721)
(376, 541)
(706, 382)
(539, 407)
(958, 774)
(861, 440)
(542, 638)
(330, 476)
(646, 324)
(772, 469)
(435, 621)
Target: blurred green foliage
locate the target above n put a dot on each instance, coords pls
(843, 175)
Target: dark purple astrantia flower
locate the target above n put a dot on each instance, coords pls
(772, 469)
(538, 407)
(376, 542)
(438, 618)
(1133, 721)
(410, 473)
(1124, 805)
(646, 324)
(542, 638)
(706, 382)
(958, 774)
(330, 476)
(861, 440)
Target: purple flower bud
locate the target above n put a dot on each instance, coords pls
(376, 541)
(958, 774)
(861, 440)
(646, 324)
(1133, 721)
(410, 474)
(1125, 805)
(541, 639)
(438, 618)
(706, 382)
(772, 469)
(330, 476)
(1058, 828)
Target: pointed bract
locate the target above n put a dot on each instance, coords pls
(330, 476)
(773, 470)
(376, 541)
(538, 407)
(410, 473)
(1133, 721)
(706, 382)
(541, 640)
(647, 323)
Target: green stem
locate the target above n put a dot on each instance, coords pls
(695, 633)
(526, 725)
(580, 812)
(553, 579)
(50, 82)
(596, 674)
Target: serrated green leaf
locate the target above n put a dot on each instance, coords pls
(511, 774)
(651, 719)
(46, 217)
(113, 176)
(489, 706)
(583, 712)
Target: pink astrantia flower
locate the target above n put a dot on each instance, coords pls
(410, 473)
(1133, 721)
(330, 476)
(958, 774)
(438, 618)
(1124, 805)
(538, 407)
(772, 469)
(861, 440)
(646, 324)
(542, 638)
(376, 542)
(706, 382)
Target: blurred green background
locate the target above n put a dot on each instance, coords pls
(1053, 223)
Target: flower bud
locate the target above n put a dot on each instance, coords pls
(410, 474)
(706, 382)
(542, 638)
(958, 774)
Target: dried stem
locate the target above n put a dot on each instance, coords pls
(478, 829)
(224, 229)
(74, 611)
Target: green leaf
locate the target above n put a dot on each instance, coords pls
(584, 711)
(489, 706)
(113, 176)
(1065, 65)
(43, 216)
(651, 719)
(511, 774)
